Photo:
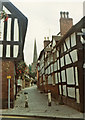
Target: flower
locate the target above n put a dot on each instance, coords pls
(3, 15)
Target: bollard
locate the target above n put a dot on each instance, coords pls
(49, 98)
(26, 100)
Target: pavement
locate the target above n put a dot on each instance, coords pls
(38, 106)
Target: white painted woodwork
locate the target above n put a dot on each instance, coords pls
(68, 43)
(64, 90)
(70, 75)
(73, 39)
(56, 78)
(60, 89)
(77, 96)
(67, 59)
(1, 50)
(62, 61)
(49, 80)
(63, 76)
(76, 72)
(15, 50)
(71, 92)
(16, 30)
(9, 29)
(74, 55)
(8, 51)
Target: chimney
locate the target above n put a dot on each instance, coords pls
(46, 42)
(65, 22)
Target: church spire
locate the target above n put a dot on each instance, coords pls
(35, 52)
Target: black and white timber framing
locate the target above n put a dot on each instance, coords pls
(13, 33)
(63, 64)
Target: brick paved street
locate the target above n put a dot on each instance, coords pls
(38, 106)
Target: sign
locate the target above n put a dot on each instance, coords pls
(8, 77)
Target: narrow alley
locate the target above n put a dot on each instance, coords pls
(38, 106)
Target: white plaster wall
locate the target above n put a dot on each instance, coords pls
(73, 40)
(51, 68)
(1, 29)
(59, 77)
(60, 89)
(64, 47)
(64, 90)
(15, 50)
(56, 79)
(58, 64)
(63, 76)
(1, 50)
(71, 92)
(70, 75)
(77, 96)
(6, 10)
(68, 43)
(74, 55)
(16, 30)
(57, 53)
(55, 66)
(76, 72)
(62, 61)
(9, 29)
(8, 51)
(67, 59)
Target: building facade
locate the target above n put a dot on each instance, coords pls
(11, 50)
(62, 71)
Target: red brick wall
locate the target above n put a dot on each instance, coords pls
(7, 69)
(65, 25)
(53, 89)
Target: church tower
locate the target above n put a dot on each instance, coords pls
(35, 53)
(34, 58)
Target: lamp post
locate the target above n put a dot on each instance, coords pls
(9, 78)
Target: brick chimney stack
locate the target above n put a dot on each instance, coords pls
(65, 22)
(46, 41)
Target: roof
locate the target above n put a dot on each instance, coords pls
(74, 28)
(41, 54)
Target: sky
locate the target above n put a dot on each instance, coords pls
(43, 20)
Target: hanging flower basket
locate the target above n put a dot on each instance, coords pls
(3, 15)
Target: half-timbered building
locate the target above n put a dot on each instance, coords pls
(12, 40)
(64, 66)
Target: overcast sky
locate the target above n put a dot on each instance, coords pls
(43, 20)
